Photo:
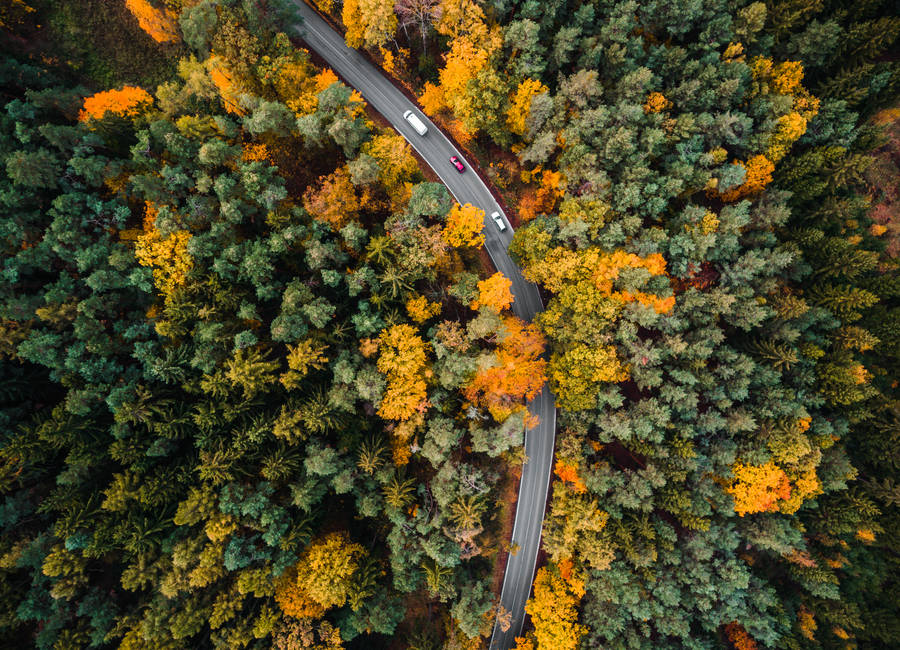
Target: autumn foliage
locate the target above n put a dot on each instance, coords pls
(334, 201)
(758, 488)
(543, 198)
(739, 637)
(472, 44)
(322, 579)
(464, 226)
(758, 175)
(402, 360)
(168, 256)
(307, 355)
(782, 79)
(494, 293)
(127, 102)
(369, 23)
(514, 373)
(520, 106)
(420, 309)
(599, 270)
(585, 286)
(395, 161)
(656, 103)
(223, 79)
(553, 609)
(158, 23)
(568, 473)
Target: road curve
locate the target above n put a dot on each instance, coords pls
(436, 149)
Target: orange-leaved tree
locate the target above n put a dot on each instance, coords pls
(739, 636)
(494, 293)
(159, 23)
(656, 103)
(758, 488)
(472, 44)
(515, 373)
(568, 473)
(334, 201)
(543, 199)
(223, 79)
(127, 102)
(758, 175)
(464, 226)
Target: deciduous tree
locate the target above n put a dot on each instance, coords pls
(464, 226)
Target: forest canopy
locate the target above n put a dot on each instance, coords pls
(259, 388)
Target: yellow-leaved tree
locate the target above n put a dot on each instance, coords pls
(584, 283)
(473, 43)
(554, 607)
(420, 309)
(520, 105)
(167, 256)
(397, 166)
(494, 293)
(464, 226)
(403, 361)
(305, 356)
(369, 23)
(322, 579)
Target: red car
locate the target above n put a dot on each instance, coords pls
(458, 164)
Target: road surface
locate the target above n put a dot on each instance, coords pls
(467, 187)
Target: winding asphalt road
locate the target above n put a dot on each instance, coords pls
(467, 187)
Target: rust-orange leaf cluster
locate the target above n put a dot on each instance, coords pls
(759, 174)
(739, 637)
(334, 201)
(568, 473)
(224, 81)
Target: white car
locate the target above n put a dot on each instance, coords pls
(498, 219)
(416, 123)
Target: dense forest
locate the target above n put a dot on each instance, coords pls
(258, 387)
(256, 382)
